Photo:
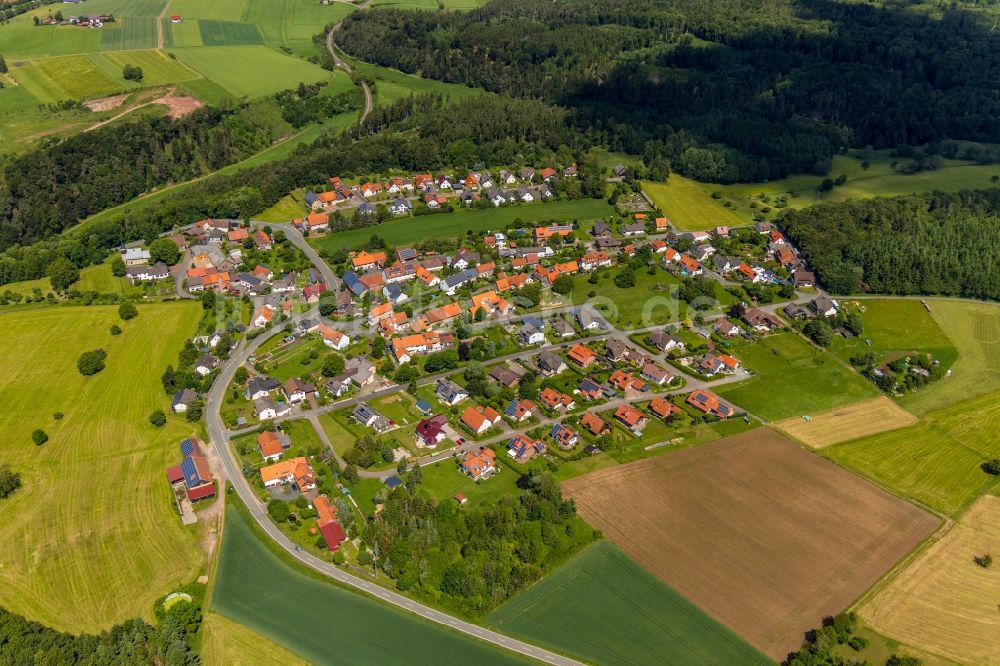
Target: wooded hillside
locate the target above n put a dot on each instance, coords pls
(724, 91)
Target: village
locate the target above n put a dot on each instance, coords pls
(474, 356)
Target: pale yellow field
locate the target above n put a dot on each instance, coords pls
(841, 424)
(227, 643)
(91, 538)
(943, 602)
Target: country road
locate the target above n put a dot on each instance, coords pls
(233, 470)
(347, 68)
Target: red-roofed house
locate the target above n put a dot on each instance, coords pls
(479, 465)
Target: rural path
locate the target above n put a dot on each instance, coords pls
(159, 25)
(217, 435)
(339, 62)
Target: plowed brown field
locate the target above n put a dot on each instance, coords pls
(765, 536)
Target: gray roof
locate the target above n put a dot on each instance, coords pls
(448, 390)
(460, 278)
(549, 361)
(262, 384)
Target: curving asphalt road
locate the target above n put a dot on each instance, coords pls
(217, 435)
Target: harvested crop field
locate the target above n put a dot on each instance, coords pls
(765, 536)
(842, 424)
(944, 602)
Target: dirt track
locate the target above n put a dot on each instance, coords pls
(765, 536)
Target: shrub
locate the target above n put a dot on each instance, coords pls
(158, 418)
(127, 311)
(115, 329)
(92, 362)
(39, 437)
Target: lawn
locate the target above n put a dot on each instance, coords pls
(92, 538)
(250, 71)
(601, 607)
(447, 225)
(255, 588)
(792, 378)
(689, 205)
(286, 209)
(100, 279)
(442, 480)
(935, 462)
(227, 643)
(179, 35)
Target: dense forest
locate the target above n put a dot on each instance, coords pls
(415, 134)
(132, 643)
(471, 559)
(719, 91)
(935, 243)
(49, 189)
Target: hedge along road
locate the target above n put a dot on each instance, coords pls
(217, 435)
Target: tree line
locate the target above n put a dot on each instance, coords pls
(935, 244)
(724, 91)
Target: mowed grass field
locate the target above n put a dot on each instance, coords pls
(250, 71)
(935, 462)
(841, 424)
(943, 602)
(973, 328)
(601, 607)
(689, 205)
(92, 537)
(793, 378)
(227, 643)
(253, 587)
(132, 32)
(448, 225)
(392, 85)
(763, 535)
(895, 326)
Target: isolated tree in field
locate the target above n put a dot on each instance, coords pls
(9, 481)
(985, 560)
(115, 329)
(992, 467)
(62, 274)
(92, 362)
(39, 437)
(165, 250)
(624, 279)
(132, 73)
(127, 311)
(158, 418)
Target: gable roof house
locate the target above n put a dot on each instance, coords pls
(430, 431)
(182, 400)
(582, 355)
(479, 419)
(520, 410)
(554, 399)
(825, 306)
(631, 418)
(726, 328)
(522, 448)
(294, 470)
(531, 334)
(665, 342)
(716, 363)
(193, 471)
(549, 364)
(656, 375)
(258, 387)
(709, 403)
(594, 424)
(479, 465)
(272, 445)
(449, 392)
(504, 376)
(326, 522)
(663, 408)
(367, 416)
(564, 436)
(333, 338)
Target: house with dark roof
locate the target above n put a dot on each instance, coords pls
(564, 436)
(182, 400)
(430, 431)
(522, 448)
(193, 471)
(504, 376)
(369, 417)
(449, 392)
(549, 364)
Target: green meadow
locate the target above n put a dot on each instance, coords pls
(259, 590)
(251, 71)
(447, 225)
(603, 608)
(792, 378)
